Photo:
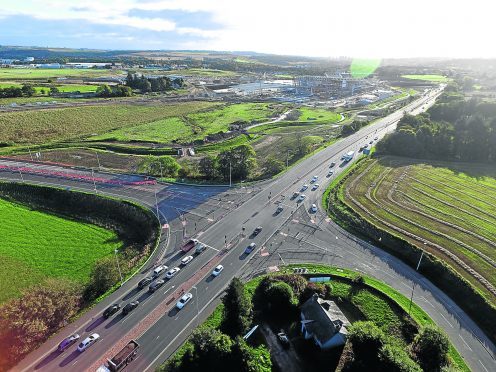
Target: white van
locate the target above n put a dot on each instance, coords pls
(159, 270)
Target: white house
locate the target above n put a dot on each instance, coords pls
(324, 322)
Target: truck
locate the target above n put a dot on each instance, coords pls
(190, 244)
(348, 156)
(121, 359)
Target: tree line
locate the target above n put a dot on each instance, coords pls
(454, 129)
(155, 84)
(26, 90)
(114, 91)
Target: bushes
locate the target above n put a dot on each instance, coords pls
(394, 359)
(375, 351)
(103, 277)
(163, 166)
(211, 350)
(430, 348)
(28, 321)
(237, 309)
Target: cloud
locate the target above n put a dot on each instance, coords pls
(379, 28)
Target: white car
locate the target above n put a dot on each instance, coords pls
(184, 300)
(315, 186)
(302, 197)
(313, 208)
(170, 274)
(88, 341)
(330, 173)
(186, 260)
(217, 270)
(304, 187)
(314, 179)
(159, 270)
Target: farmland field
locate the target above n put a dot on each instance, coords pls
(60, 124)
(39, 73)
(62, 88)
(317, 116)
(452, 207)
(194, 125)
(36, 245)
(432, 78)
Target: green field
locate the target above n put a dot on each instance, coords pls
(195, 125)
(316, 116)
(36, 246)
(432, 78)
(38, 73)
(64, 88)
(452, 206)
(192, 72)
(58, 124)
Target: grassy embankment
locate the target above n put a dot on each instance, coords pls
(431, 78)
(441, 205)
(37, 245)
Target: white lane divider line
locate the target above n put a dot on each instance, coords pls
(483, 366)
(447, 321)
(465, 342)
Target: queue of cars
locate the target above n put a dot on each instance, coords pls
(154, 282)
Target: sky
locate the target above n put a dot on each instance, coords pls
(321, 28)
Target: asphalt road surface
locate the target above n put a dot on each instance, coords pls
(223, 219)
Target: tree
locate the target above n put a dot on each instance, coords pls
(430, 348)
(208, 167)
(280, 298)
(394, 359)
(237, 162)
(53, 90)
(28, 90)
(273, 166)
(29, 320)
(104, 275)
(210, 348)
(367, 339)
(163, 166)
(237, 309)
(104, 91)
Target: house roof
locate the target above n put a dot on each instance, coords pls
(323, 318)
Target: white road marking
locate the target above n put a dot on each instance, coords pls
(447, 321)
(483, 366)
(426, 300)
(465, 342)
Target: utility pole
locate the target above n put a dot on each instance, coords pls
(98, 160)
(413, 287)
(93, 177)
(197, 308)
(30, 155)
(19, 169)
(118, 266)
(156, 205)
(230, 174)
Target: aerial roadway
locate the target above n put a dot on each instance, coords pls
(224, 220)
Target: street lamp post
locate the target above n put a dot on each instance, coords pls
(230, 173)
(413, 287)
(118, 266)
(197, 308)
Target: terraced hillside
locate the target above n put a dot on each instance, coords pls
(448, 209)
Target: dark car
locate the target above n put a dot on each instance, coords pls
(111, 310)
(283, 339)
(130, 307)
(68, 342)
(332, 164)
(250, 248)
(144, 282)
(257, 230)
